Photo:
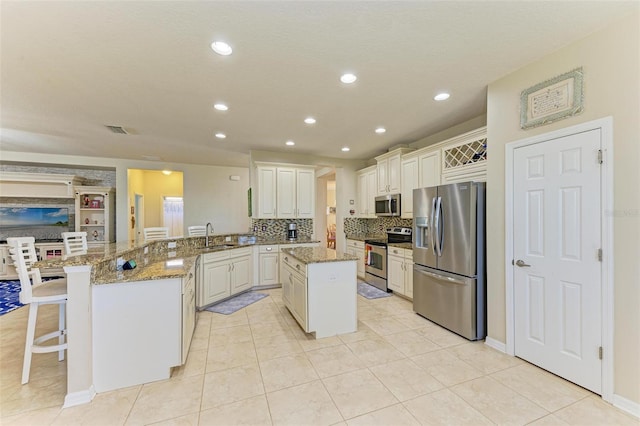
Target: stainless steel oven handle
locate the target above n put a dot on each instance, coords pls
(441, 277)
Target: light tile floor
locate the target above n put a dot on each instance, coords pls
(257, 367)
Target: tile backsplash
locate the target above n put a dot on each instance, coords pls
(278, 227)
(377, 226)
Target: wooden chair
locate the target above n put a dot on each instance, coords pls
(75, 243)
(197, 230)
(157, 233)
(331, 237)
(34, 292)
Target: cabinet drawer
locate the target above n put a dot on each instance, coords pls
(244, 251)
(294, 264)
(273, 248)
(355, 244)
(215, 256)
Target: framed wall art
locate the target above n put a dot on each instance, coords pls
(552, 100)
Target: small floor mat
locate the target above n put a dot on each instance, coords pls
(9, 292)
(232, 305)
(370, 292)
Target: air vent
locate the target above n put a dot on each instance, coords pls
(117, 129)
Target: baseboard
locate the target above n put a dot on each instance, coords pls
(626, 405)
(495, 344)
(264, 287)
(79, 398)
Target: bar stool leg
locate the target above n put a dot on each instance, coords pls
(28, 347)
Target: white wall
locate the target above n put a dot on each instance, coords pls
(610, 59)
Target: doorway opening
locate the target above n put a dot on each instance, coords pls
(151, 194)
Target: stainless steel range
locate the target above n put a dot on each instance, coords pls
(376, 255)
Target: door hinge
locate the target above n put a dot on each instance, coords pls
(600, 255)
(600, 160)
(600, 352)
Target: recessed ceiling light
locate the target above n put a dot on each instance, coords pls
(166, 172)
(380, 130)
(346, 149)
(221, 48)
(441, 96)
(290, 143)
(348, 78)
(220, 135)
(310, 120)
(221, 107)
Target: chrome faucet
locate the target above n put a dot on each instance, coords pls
(206, 238)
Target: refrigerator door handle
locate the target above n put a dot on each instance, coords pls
(437, 242)
(441, 277)
(431, 233)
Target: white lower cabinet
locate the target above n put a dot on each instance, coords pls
(356, 248)
(400, 270)
(295, 295)
(137, 342)
(223, 274)
(268, 262)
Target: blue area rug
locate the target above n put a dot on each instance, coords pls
(9, 291)
(232, 305)
(371, 292)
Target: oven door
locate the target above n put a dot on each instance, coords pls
(376, 260)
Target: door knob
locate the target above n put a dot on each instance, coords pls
(521, 264)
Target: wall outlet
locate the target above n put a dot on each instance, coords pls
(172, 244)
(119, 263)
(227, 238)
(264, 228)
(255, 228)
(146, 250)
(171, 254)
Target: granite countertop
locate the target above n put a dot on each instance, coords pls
(362, 237)
(401, 245)
(318, 255)
(160, 262)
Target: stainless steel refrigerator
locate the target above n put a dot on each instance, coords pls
(449, 284)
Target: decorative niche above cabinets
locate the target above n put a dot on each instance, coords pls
(389, 171)
(285, 191)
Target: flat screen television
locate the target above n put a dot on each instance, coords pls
(42, 223)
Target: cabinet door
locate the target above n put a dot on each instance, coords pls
(240, 274)
(216, 282)
(300, 299)
(395, 275)
(361, 208)
(371, 193)
(287, 287)
(395, 176)
(266, 192)
(409, 183)
(305, 193)
(286, 193)
(383, 177)
(430, 169)
(188, 313)
(408, 274)
(269, 273)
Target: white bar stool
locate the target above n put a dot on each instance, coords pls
(75, 243)
(35, 293)
(157, 233)
(197, 231)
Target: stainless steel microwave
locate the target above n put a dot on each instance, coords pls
(388, 205)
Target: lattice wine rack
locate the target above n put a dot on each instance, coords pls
(468, 153)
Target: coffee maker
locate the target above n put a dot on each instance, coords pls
(292, 231)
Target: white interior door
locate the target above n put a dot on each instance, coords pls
(557, 273)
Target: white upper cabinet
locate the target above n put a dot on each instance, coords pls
(410, 181)
(429, 169)
(285, 192)
(464, 158)
(367, 191)
(389, 173)
(266, 192)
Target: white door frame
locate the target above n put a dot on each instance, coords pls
(605, 125)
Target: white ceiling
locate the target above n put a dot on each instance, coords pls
(69, 68)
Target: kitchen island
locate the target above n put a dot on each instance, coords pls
(128, 327)
(319, 287)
